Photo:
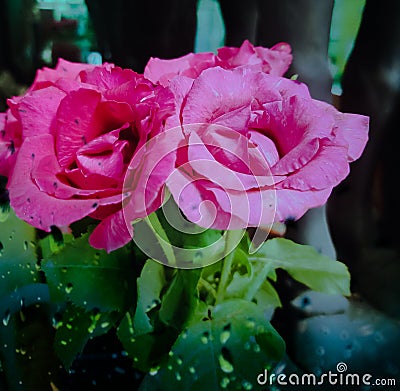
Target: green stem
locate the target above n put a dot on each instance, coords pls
(154, 224)
(208, 287)
(232, 239)
(259, 279)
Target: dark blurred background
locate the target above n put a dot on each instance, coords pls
(35, 33)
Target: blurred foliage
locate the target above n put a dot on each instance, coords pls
(346, 19)
(345, 22)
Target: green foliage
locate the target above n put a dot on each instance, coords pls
(76, 328)
(18, 262)
(164, 307)
(305, 265)
(188, 329)
(226, 350)
(180, 299)
(88, 277)
(97, 289)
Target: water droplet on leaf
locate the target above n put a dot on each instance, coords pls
(224, 382)
(224, 363)
(6, 318)
(225, 335)
(247, 385)
(68, 288)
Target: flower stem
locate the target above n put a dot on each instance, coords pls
(154, 224)
(232, 238)
(210, 289)
(258, 281)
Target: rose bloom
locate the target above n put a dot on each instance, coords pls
(274, 61)
(304, 148)
(66, 145)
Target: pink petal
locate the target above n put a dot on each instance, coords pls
(37, 111)
(190, 65)
(325, 170)
(293, 204)
(148, 171)
(196, 203)
(265, 146)
(89, 182)
(106, 77)
(279, 58)
(103, 156)
(63, 69)
(217, 92)
(33, 205)
(111, 233)
(204, 164)
(76, 124)
(352, 127)
(298, 157)
(274, 61)
(251, 209)
(49, 177)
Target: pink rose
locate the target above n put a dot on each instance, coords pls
(274, 61)
(284, 149)
(13, 128)
(78, 128)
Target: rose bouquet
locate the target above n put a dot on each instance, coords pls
(154, 206)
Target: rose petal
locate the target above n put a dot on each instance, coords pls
(76, 124)
(107, 78)
(66, 70)
(203, 162)
(190, 65)
(352, 127)
(33, 205)
(293, 204)
(111, 233)
(325, 170)
(37, 111)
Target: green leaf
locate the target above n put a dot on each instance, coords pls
(242, 275)
(149, 285)
(91, 278)
(180, 299)
(145, 350)
(267, 297)
(305, 265)
(76, 328)
(18, 261)
(228, 351)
